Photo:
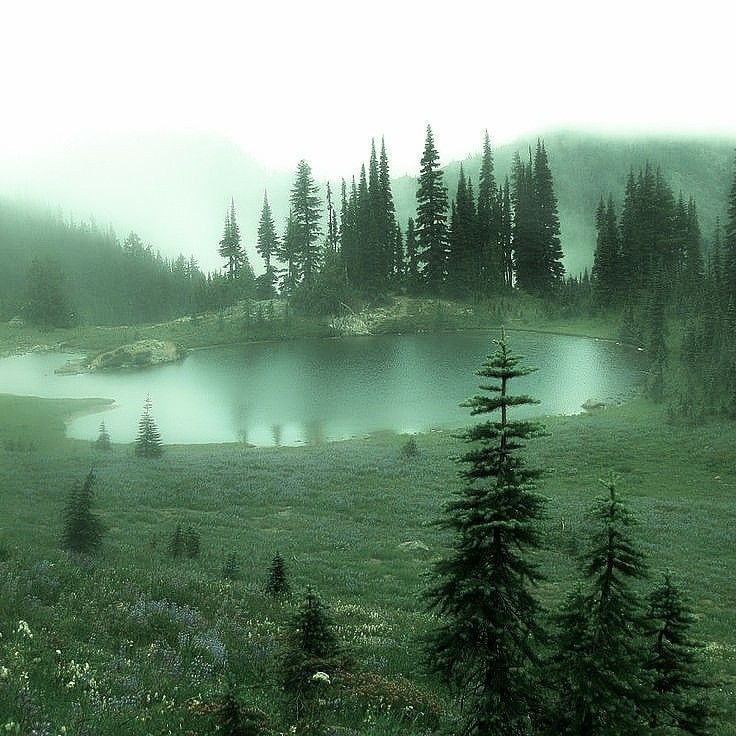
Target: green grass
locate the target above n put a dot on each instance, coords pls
(153, 629)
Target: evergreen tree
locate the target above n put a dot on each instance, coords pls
(528, 256)
(288, 254)
(230, 247)
(148, 442)
(267, 244)
(332, 230)
(82, 528)
(47, 304)
(431, 222)
(312, 658)
(729, 243)
(414, 278)
(489, 617)
(388, 225)
(489, 255)
(192, 542)
(679, 689)
(103, 439)
(463, 262)
(598, 667)
(606, 261)
(398, 263)
(277, 583)
(656, 345)
(506, 221)
(305, 214)
(177, 542)
(548, 221)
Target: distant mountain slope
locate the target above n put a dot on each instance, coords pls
(173, 189)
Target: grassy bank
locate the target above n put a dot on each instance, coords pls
(272, 321)
(351, 518)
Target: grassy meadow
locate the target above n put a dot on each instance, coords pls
(133, 641)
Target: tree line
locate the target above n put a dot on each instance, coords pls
(673, 296)
(479, 246)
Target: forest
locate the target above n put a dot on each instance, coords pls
(569, 575)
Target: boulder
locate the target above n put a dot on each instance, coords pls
(141, 354)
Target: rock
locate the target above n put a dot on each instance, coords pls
(592, 404)
(414, 545)
(141, 354)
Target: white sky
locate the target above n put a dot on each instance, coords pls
(316, 80)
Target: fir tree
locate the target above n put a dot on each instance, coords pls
(288, 254)
(598, 666)
(103, 439)
(490, 256)
(230, 248)
(413, 278)
(277, 583)
(332, 230)
(463, 262)
(82, 528)
(388, 225)
(267, 244)
(192, 542)
(548, 221)
(679, 689)
(431, 222)
(177, 542)
(305, 214)
(148, 442)
(311, 660)
(606, 261)
(729, 243)
(489, 616)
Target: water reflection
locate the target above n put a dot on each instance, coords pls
(319, 390)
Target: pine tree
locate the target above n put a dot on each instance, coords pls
(305, 214)
(148, 442)
(267, 244)
(312, 658)
(463, 262)
(490, 255)
(177, 542)
(656, 344)
(277, 583)
(679, 689)
(607, 288)
(729, 244)
(388, 225)
(103, 439)
(489, 617)
(398, 261)
(82, 528)
(506, 241)
(548, 221)
(332, 229)
(288, 254)
(230, 248)
(431, 222)
(414, 278)
(598, 666)
(527, 247)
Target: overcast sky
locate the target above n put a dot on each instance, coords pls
(316, 80)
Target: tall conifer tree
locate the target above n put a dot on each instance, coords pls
(431, 222)
(305, 215)
(483, 597)
(268, 240)
(598, 669)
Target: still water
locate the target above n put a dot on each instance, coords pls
(318, 390)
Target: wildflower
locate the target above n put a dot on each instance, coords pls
(321, 677)
(24, 629)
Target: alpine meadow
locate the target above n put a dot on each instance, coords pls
(317, 418)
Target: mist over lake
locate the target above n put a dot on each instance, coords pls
(319, 390)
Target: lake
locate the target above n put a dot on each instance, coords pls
(287, 393)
